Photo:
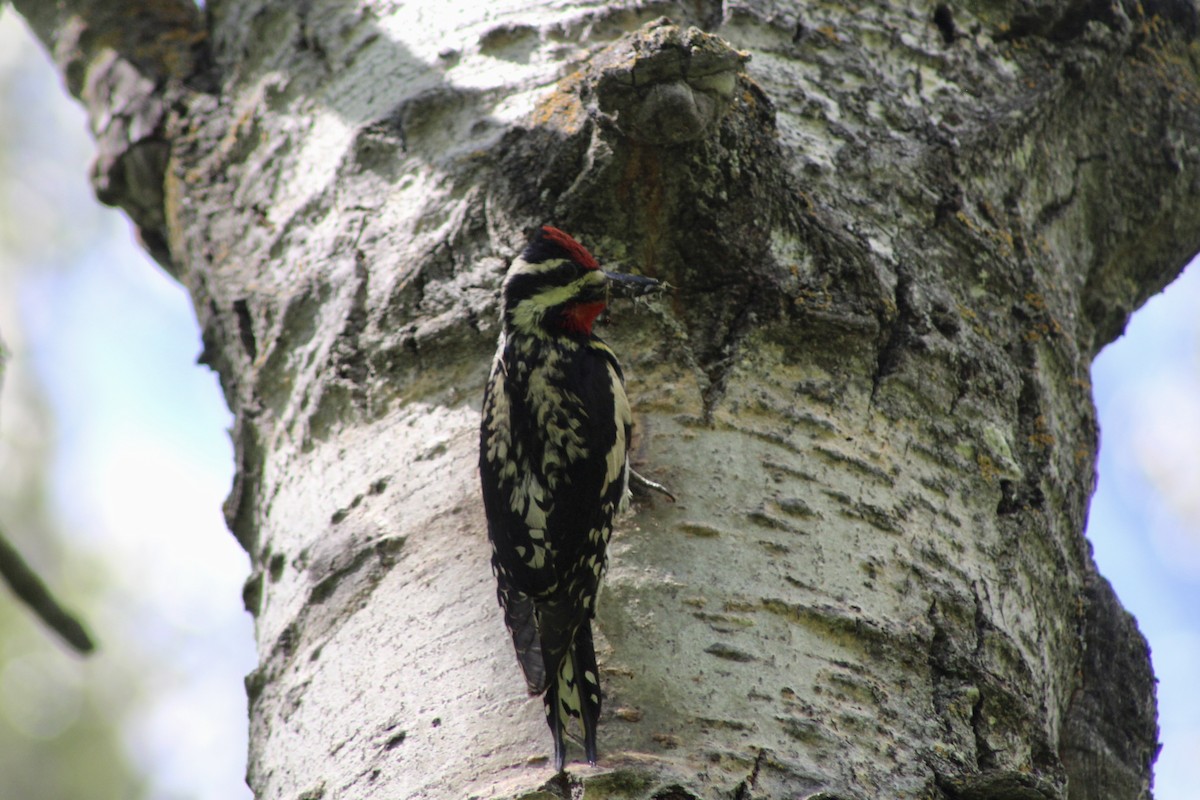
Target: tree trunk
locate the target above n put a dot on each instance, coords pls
(896, 234)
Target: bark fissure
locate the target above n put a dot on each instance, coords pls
(746, 788)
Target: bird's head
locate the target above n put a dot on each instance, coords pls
(556, 287)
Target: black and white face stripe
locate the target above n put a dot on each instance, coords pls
(527, 279)
(536, 294)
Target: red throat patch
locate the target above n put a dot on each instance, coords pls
(579, 318)
(574, 250)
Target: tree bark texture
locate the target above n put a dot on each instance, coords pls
(897, 233)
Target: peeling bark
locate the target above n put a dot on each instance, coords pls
(897, 237)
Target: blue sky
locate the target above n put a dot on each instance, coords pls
(143, 462)
(1144, 523)
(141, 459)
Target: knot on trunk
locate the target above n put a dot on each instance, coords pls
(665, 86)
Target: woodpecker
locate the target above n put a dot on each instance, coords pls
(553, 463)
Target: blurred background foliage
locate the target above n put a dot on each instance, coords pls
(114, 460)
(55, 708)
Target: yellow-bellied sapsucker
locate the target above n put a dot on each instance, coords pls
(553, 461)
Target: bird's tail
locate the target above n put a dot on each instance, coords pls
(575, 692)
(520, 617)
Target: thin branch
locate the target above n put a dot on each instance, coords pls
(32, 591)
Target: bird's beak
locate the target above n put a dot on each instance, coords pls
(625, 285)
